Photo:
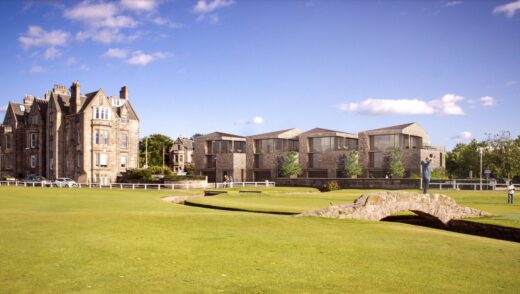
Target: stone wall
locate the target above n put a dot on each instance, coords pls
(360, 183)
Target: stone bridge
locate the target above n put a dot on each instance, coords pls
(378, 205)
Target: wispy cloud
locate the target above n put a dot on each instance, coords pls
(36, 69)
(84, 67)
(206, 9)
(162, 21)
(256, 120)
(463, 136)
(115, 53)
(38, 37)
(51, 53)
(488, 101)
(446, 105)
(3, 108)
(452, 3)
(509, 9)
(141, 58)
(140, 5)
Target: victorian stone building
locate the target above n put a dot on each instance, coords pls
(181, 154)
(88, 137)
(321, 152)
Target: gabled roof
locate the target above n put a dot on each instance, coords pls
(221, 134)
(88, 99)
(277, 134)
(322, 130)
(393, 128)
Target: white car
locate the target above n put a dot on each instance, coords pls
(65, 182)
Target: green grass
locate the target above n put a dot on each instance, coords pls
(103, 241)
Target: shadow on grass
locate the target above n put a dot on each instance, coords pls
(460, 226)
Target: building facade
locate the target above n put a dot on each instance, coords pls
(181, 154)
(322, 153)
(219, 154)
(88, 137)
(265, 153)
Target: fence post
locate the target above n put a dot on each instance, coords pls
(133, 186)
(145, 187)
(121, 186)
(173, 186)
(159, 187)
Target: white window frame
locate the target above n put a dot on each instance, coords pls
(33, 161)
(122, 163)
(101, 112)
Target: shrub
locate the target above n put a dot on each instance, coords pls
(184, 178)
(352, 167)
(439, 173)
(330, 186)
(396, 164)
(156, 170)
(290, 166)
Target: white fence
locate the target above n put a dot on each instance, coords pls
(453, 185)
(131, 186)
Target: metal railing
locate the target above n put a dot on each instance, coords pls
(132, 186)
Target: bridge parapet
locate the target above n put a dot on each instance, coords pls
(378, 205)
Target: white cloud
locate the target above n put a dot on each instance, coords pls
(140, 5)
(256, 120)
(84, 67)
(51, 53)
(115, 53)
(207, 6)
(453, 3)
(161, 21)
(71, 61)
(3, 108)
(106, 36)
(488, 101)
(36, 69)
(508, 9)
(462, 136)
(141, 58)
(38, 37)
(446, 105)
(99, 15)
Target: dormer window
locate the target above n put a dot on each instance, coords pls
(117, 102)
(101, 113)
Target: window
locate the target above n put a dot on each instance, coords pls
(240, 147)
(7, 141)
(101, 159)
(102, 113)
(314, 160)
(259, 161)
(123, 162)
(293, 145)
(123, 140)
(33, 161)
(78, 159)
(124, 117)
(181, 158)
(376, 160)
(33, 140)
(100, 137)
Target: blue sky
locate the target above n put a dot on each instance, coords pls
(248, 67)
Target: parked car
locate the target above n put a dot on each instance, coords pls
(65, 182)
(37, 180)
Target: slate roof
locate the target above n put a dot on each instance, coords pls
(392, 128)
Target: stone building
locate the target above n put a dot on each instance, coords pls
(181, 154)
(265, 153)
(88, 137)
(375, 149)
(323, 152)
(219, 154)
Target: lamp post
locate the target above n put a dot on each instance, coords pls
(480, 149)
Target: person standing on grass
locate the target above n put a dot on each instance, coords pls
(510, 193)
(426, 173)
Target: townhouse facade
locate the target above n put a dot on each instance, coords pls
(88, 137)
(322, 153)
(181, 154)
(218, 154)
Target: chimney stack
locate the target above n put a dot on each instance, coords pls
(123, 94)
(28, 100)
(75, 97)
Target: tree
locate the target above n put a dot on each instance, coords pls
(352, 167)
(396, 164)
(463, 159)
(503, 155)
(157, 143)
(290, 166)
